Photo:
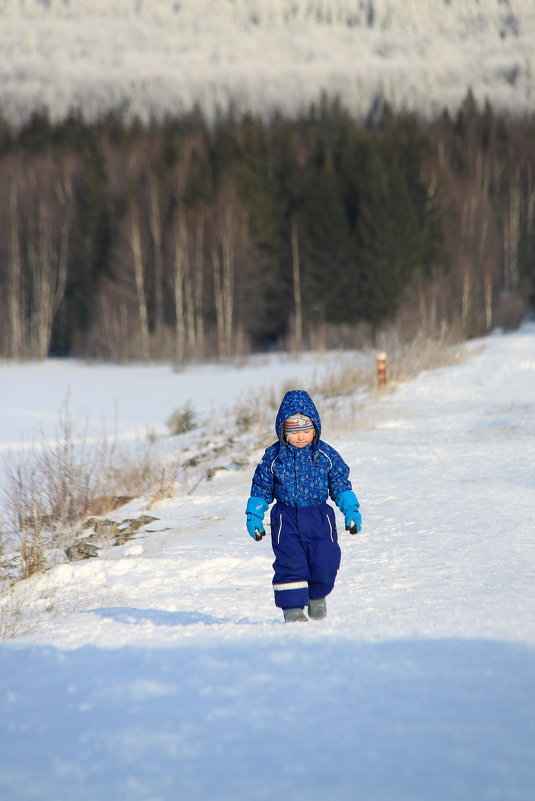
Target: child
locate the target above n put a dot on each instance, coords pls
(300, 471)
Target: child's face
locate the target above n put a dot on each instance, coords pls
(300, 439)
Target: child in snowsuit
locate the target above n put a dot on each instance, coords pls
(300, 472)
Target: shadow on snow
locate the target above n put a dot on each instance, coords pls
(262, 717)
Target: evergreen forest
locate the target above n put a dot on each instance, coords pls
(184, 240)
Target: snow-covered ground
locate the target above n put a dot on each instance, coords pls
(130, 400)
(147, 57)
(161, 670)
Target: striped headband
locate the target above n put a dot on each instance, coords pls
(297, 422)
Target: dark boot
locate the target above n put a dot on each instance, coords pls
(294, 616)
(317, 608)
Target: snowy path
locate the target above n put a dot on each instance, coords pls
(161, 671)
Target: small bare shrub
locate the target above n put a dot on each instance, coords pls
(54, 482)
(32, 551)
(181, 420)
(21, 608)
(10, 617)
(254, 413)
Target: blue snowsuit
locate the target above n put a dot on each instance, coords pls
(303, 526)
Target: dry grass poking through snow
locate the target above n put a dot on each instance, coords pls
(407, 359)
(56, 481)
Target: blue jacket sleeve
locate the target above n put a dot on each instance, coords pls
(338, 475)
(263, 481)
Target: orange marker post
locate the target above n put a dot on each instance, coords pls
(381, 369)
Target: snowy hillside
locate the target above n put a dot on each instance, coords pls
(161, 669)
(150, 56)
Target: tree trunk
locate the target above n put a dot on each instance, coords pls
(48, 251)
(228, 283)
(218, 300)
(422, 303)
(155, 224)
(15, 336)
(466, 293)
(42, 280)
(64, 193)
(223, 276)
(296, 276)
(137, 255)
(178, 286)
(511, 236)
(199, 285)
(488, 293)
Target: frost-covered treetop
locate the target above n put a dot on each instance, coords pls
(502, 16)
(148, 57)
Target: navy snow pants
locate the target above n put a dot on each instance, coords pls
(307, 554)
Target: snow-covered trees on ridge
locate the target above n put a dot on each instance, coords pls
(149, 57)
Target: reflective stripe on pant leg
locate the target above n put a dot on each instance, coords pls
(291, 585)
(291, 595)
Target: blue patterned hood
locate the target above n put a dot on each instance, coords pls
(299, 477)
(297, 401)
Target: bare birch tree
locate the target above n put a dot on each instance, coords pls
(39, 212)
(228, 233)
(199, 271)
(155, 225)
(511, 237)
(14, 289)
(51, 218)
(298, 300)
(139, 281)
(180, 242)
